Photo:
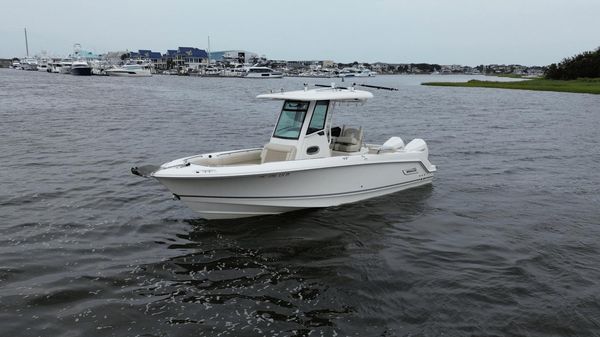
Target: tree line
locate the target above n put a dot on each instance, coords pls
(586, 64)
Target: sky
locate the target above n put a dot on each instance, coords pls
(466, 32)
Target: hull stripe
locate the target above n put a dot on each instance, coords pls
(306, 196)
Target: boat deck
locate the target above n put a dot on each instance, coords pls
(253, 156)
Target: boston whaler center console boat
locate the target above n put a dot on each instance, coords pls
(307, 163)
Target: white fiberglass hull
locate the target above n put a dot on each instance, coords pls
(128, 73)
(272, 188)
(264, 75)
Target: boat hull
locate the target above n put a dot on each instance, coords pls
(289, 190)
(81, 71)
(30, 67)
(124, 73)
(264, 75)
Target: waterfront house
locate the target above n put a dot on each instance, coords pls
(190, 58)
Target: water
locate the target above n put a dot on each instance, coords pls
(503, 243)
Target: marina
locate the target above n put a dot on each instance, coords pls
(192, 61)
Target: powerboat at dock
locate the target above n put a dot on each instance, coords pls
(65, 66)
(356, 72)
(307, 163)
(29, 63)
(81, 68)
(262, 72)
(130, 70)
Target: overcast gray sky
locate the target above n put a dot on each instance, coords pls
(469, 32)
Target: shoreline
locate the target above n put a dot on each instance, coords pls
(580, 86)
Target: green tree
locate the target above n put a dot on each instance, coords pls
(586, 64)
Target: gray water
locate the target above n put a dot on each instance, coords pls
(503, 243)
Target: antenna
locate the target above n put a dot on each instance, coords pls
(26, 44)
(356, 84)
(376, 87)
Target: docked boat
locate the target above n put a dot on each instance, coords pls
(262, 72)
(29, 63)
(54, 67)
(356, 72)
(307, 163)
(130, 70)
(65, 66)
(81, 68)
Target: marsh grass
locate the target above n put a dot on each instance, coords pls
(582, 85)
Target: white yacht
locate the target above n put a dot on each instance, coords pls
(54, 67)
(262, 72)
(81, 68)
(65, 66)
(130, 70)
(356, 72)
(29, 63)
(307, 163)
(43, 65)
(235, 70)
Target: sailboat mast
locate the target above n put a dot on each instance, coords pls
(26, 44)
(209, 50)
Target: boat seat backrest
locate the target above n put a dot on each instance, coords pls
(277, 152)
(350, 140)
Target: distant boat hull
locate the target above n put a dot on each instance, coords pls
(265, 75)
(262, 72)
(128, 73)
(81, 71)
(65, 69)
(27, 66)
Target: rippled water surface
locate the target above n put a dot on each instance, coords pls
(505, 242)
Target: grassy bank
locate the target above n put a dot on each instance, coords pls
(508, 75)
(584, 86)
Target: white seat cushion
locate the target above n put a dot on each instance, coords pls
(277, 152)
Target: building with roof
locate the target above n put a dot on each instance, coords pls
(189, 58)
(147, 55)
(234, 56)
(182, 58)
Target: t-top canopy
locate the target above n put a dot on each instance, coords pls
(332, 94)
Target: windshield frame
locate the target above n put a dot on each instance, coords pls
(310, 130)
(277, 133)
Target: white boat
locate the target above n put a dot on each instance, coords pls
(65, 66)
(307, 163)
(262, 72)
(130, 70)
(170, 72)
(43, 66)
(81, 68)
(16, 65)
(237, 70)
(54, 67)
(29, 63)
(356, 72)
